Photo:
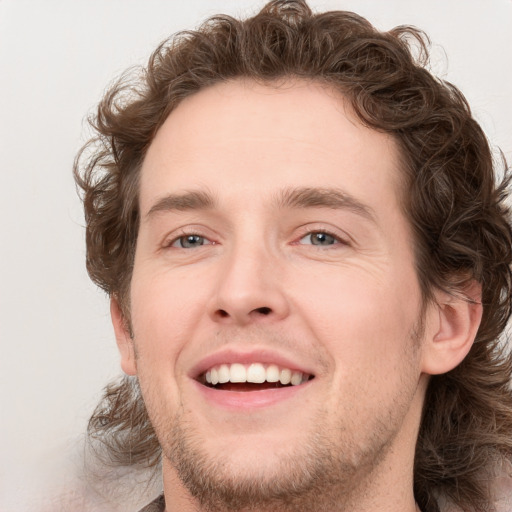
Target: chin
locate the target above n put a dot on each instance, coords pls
(261, 472)
(254, 476)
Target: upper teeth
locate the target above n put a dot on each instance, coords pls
(255, 373)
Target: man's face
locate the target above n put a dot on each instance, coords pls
(272, 246)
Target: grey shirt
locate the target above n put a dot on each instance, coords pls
(157, 505)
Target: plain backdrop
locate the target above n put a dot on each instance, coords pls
(56, 58)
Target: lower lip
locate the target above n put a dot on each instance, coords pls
(246, 400)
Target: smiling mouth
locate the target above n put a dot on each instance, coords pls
(252, 377)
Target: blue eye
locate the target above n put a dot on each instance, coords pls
(319, 238)
(189, 241)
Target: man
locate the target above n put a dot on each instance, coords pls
(308, 258)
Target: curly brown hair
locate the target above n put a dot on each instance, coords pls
(453, 199)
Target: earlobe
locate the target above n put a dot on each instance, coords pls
(123, 338)
(456, 328)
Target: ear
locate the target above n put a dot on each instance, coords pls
(123, 338)
(456, 322)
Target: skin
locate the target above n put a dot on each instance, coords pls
(349, 312)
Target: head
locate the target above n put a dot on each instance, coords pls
(450, 232)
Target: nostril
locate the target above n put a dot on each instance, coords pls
(225, 314)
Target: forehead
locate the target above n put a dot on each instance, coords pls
(245, 136)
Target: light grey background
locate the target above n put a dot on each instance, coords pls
(56, 57)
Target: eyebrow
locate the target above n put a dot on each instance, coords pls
(334, 198)
(289, 198)
(195, 200)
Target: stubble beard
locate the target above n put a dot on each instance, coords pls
(325, 472)
(316, 476)
(329, 470)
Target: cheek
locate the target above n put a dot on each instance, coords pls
(366, 328)
(165, 309)
(361, 321)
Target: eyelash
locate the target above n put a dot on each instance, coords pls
(184, 235)
(337, 239)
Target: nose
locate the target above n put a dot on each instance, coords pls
(249, 288)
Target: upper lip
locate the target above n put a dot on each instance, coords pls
(230, 355)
